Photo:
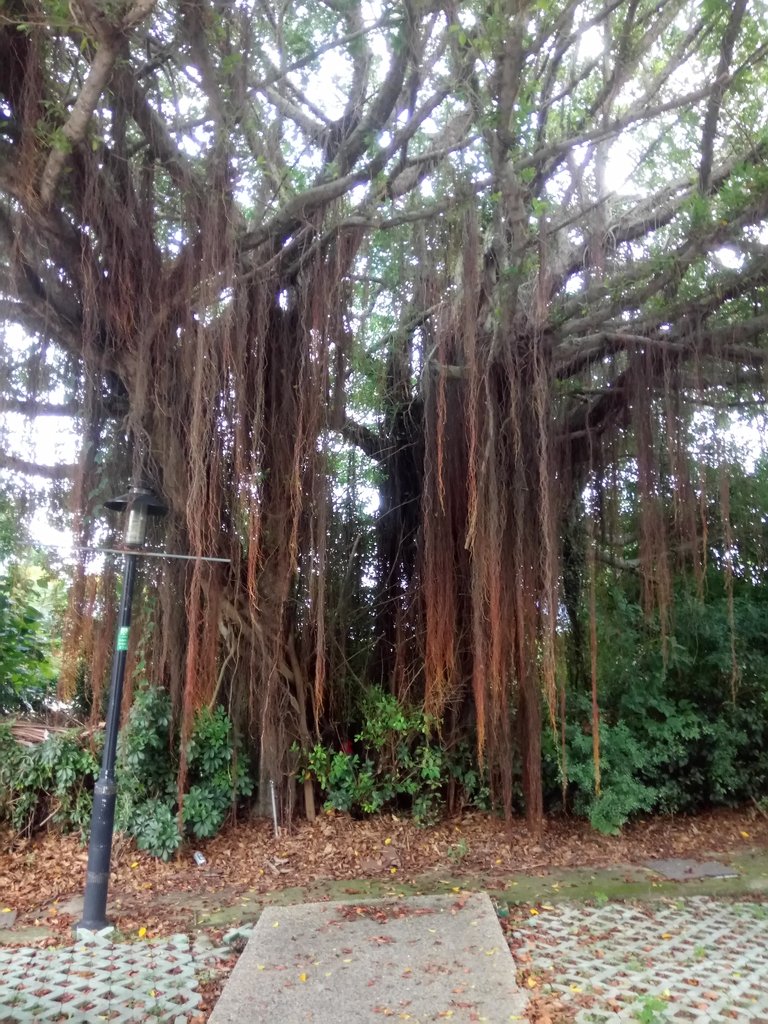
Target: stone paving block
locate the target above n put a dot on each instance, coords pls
(418, 959)
(98, 980)
(703, 960)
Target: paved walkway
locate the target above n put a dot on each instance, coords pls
(420, 959)
(697, 960)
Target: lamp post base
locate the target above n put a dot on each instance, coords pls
(94, 917)
(91, 929)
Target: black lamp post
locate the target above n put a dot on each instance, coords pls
(140, 504)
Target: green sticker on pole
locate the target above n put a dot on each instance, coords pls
(122, 638)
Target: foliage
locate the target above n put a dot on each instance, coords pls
(49, 782)
(650, 1010)
(674, 737)
(29, 596)
(220, 777)
(145, 774)
(27, 671)
(148, 766)
(400, 761)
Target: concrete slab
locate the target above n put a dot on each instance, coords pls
(420, 959)
(18, 936)
(678, 869)
(73, 905)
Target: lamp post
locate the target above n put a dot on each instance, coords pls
(140, 503)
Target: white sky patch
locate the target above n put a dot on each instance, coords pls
(45, 533)
(46, 441)
(591, 43)
(729, 258)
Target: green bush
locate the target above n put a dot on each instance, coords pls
(51, 782)
(27, 671)
(148, 766)
(401, 762)
(153, 824)
(672, 737)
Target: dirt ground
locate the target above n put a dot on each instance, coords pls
(39, 877)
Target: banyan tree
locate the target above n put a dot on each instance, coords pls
(387, 301)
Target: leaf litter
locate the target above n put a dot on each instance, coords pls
(39, 876)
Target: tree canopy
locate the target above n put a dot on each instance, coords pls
(485, 261)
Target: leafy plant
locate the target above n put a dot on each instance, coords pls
(458, 851)
(650, 1010)
(27, 669)
(154, 827)
(49, 782)
(148, 763)
(674, 736)
(221, 779)
(399, 761)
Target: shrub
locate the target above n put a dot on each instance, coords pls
(51, 782)
(148, 766)
(399, 761)
(673, 736)
(27, 672)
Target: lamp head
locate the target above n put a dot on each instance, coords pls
(140, 503)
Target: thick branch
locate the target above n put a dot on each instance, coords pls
(362, 437)
(76, 126)
(17, 465)
(709, 130)
(31, 408)
(74, 129)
